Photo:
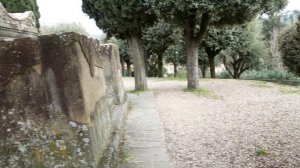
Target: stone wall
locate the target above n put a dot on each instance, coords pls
(16, 25)
(61, 101)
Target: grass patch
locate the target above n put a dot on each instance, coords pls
(261, 152)
(262, 84)
(202, 92)
(290, 90)
(136, 91)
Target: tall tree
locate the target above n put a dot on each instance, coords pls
(175, 55)
(247, 51)
(195, 17)
(272, 26)
(158, 38)
(125, 20)
(290, 47)
(17, 6)
(217, 39)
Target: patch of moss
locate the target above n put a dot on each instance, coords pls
(58, 153)
(202, 92)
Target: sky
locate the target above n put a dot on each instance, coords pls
(70, 11)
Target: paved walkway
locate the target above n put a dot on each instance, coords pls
(144, 145)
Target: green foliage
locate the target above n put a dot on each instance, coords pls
(17, 6)
(224, 75)
(269, 24)
(247, 50)
(261, 152)
(63, 28)
(217, 39)
(120, 18)
(221, 12)
(268, 75)
(175, 54)
(157, 39)
(160, 36)
(290, 47)
(195, 17)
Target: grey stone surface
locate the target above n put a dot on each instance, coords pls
(15, 25)
(144, 140)
(54, 110)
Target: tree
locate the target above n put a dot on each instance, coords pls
(290, 47)
(217, 39)
(124, 20)
(17, 6)
(247, 51)
(195, 17)
(272, 26)
(203, 61)
(158, 38)
(175, 55)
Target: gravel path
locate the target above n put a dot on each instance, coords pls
(247, 119)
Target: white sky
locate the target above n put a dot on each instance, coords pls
(57, 11)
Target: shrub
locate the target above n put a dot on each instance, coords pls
(224, 75)
(269, 75)
(290, 47)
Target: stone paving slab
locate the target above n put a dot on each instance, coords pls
(144, 141)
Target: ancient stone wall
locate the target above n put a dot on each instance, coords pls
(16, 25)
(58, 105)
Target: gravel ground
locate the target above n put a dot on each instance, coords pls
(247, 124)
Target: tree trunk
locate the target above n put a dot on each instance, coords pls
(146, 55)
(203, 70)
(128, 64)
(123, 66)
(211, 61)
(138, 62)
(175, 71)
(192, 63)
(160, 65)
(192, 40)
(236, 74)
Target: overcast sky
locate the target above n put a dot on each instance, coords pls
(70, 11)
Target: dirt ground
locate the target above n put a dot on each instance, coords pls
(230, 123)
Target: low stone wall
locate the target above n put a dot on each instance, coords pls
(14, 25)
(58, 105)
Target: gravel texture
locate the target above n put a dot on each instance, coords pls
(247, 124)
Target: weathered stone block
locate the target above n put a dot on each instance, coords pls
(54, 102)
(113, 71)
(13, 25)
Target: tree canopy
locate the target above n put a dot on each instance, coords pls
(158, 38)
(125, 20)
(17, 6)
(290, 47)
(119, 18)
(195, 17)
(247, 50)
